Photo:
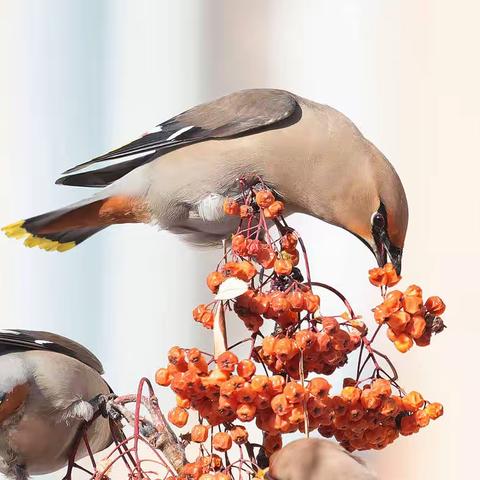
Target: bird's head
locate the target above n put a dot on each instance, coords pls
(386, 224)
(14, 386)
(374, 208)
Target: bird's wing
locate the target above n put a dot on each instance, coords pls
(235, 114)
(35, 340)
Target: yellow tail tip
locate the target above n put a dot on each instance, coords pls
(16, 230)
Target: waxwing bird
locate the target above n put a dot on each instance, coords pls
(316, 459)
(47, 384)
(177, 175)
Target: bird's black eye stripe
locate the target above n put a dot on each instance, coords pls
(3, 395)
(378, 220)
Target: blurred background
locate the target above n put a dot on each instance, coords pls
(79, 77)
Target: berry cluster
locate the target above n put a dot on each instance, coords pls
(321, 352)
(409, 319)
(371, 417)
(290, 338)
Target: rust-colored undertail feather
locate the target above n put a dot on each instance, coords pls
(61, 230)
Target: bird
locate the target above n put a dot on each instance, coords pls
(48, 388)
(177, 175)
(316, 459)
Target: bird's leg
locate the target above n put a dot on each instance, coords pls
(84, 426)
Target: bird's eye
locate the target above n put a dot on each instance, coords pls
(378, 220)
(2, 397)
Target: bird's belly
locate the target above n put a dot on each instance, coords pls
(203, 232)
(41, 444)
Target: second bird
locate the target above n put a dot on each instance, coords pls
(177, 175)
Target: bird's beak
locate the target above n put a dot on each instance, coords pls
(384, 250)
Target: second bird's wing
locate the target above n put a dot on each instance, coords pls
(238, 113)
(14, 339)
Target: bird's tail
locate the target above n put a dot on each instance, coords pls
(63, 229)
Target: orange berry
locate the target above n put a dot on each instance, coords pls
(246, 211)
(210, 462)
(217, 377)
(260, 383)
(204, 316)
(245, 394)
(297, 415)
(199, 433)
(413, 401)
(330, 325)
(178, 416)
(403, 343)
(435, 305)
(246, 412)
(280, 404)
(392, 278)
(262, 401)
(305, 339)
(266, 256)
(312, 302)
(279, 303)
(408, 425)
(398, 321)
(296, 300)
(289, 241)
(392, 302)
(274, 210)
(434, 410)
(227, 361)
(412, 303)
(294, 392)
(414, 290)
(284, 349)
(264, 198)
(283, 267)
(214, 280)
(277, 382)
(351, 394)
(389, 407)
(207, 476)
(239, 434)
(246, 369)
(246, 270)
(380, 313)
(370, 399)
(222, 476)
(239, 244)
(416, 326)
(392, 336)
(422, 418)
(182, 402)
(231, 207)
(222, 441)
(377, 277)
(272, 443)
(259, 303)
(318, 387)
(163, 377)
(382, 387)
